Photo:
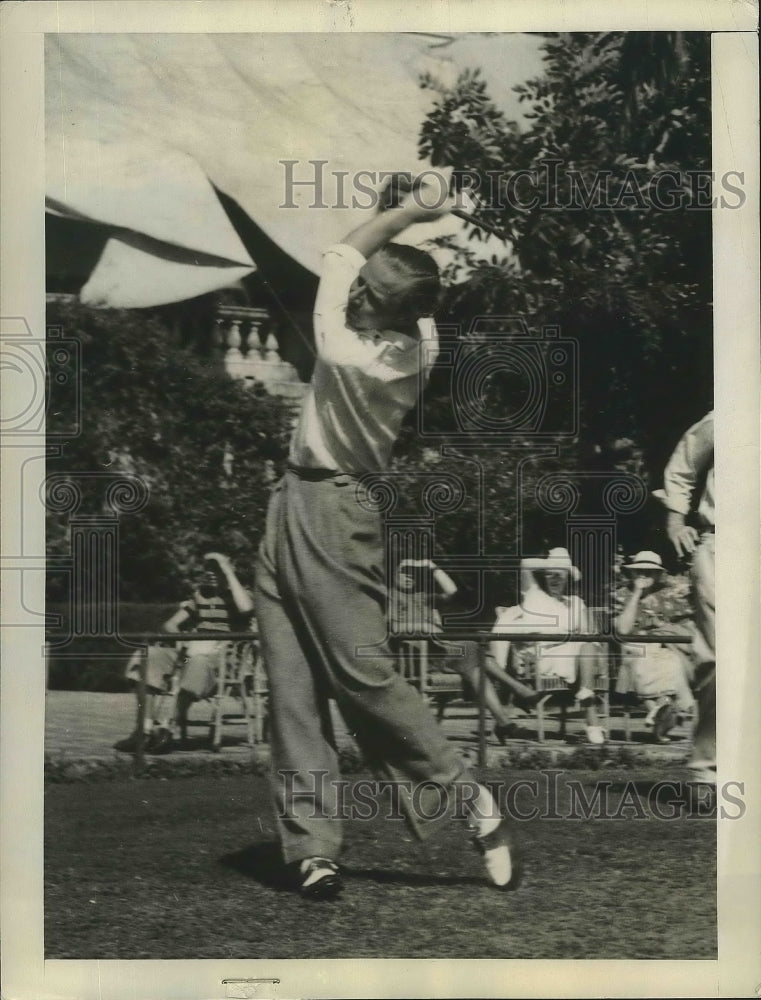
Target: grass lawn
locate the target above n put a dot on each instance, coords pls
(187, 868)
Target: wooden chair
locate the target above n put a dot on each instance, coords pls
(554, 688)
(240, 675)
(557, 688)
(419, 670)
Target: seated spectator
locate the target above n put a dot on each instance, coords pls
(650, 604)
(547, 607)
(419, 587)
(160, 683)
(219, 604)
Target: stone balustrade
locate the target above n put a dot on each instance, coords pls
(247, 337)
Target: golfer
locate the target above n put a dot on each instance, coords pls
(321, 593)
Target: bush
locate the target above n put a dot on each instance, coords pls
(203, 445)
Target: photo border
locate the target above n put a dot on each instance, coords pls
(737, 972)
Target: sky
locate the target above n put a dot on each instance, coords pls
(140, 129)
(506, 60)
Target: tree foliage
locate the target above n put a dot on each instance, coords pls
(198, 440)
(629, 280)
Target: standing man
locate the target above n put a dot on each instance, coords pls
(321, 591)
(688, 479)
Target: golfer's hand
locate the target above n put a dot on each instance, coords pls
(429, 198)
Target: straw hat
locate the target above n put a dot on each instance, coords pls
(557, 559)
(645, 560)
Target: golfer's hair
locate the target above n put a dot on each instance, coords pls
(423, 272)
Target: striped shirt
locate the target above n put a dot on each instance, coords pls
(208, 614)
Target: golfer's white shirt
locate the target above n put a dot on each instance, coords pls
(363, 383)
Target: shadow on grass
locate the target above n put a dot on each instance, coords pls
(264, 864)
(261, 862)
(384, 876)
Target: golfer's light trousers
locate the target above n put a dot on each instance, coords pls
(320, 598)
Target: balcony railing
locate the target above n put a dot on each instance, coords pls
(247, 337)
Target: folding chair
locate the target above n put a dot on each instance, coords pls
(439, 686)
(412, 662)
(551, 687)
(240, 675)
(556, 687)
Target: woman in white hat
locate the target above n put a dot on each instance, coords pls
(656, 672)
(546, 606)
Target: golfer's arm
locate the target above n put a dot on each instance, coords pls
(380, 230)
(691, 457)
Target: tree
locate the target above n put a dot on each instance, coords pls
(578, 197)
(204, 445)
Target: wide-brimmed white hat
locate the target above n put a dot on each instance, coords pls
(645, 560)
(556, 559)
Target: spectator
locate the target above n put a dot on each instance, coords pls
(657, 673)
(546, 607)
(219, 604)
(420, 586)
(688, 482)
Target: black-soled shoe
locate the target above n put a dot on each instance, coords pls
(318, 878)
(663, 722)
(159, 741)
(129, 743)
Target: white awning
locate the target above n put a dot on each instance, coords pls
(141, 129)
